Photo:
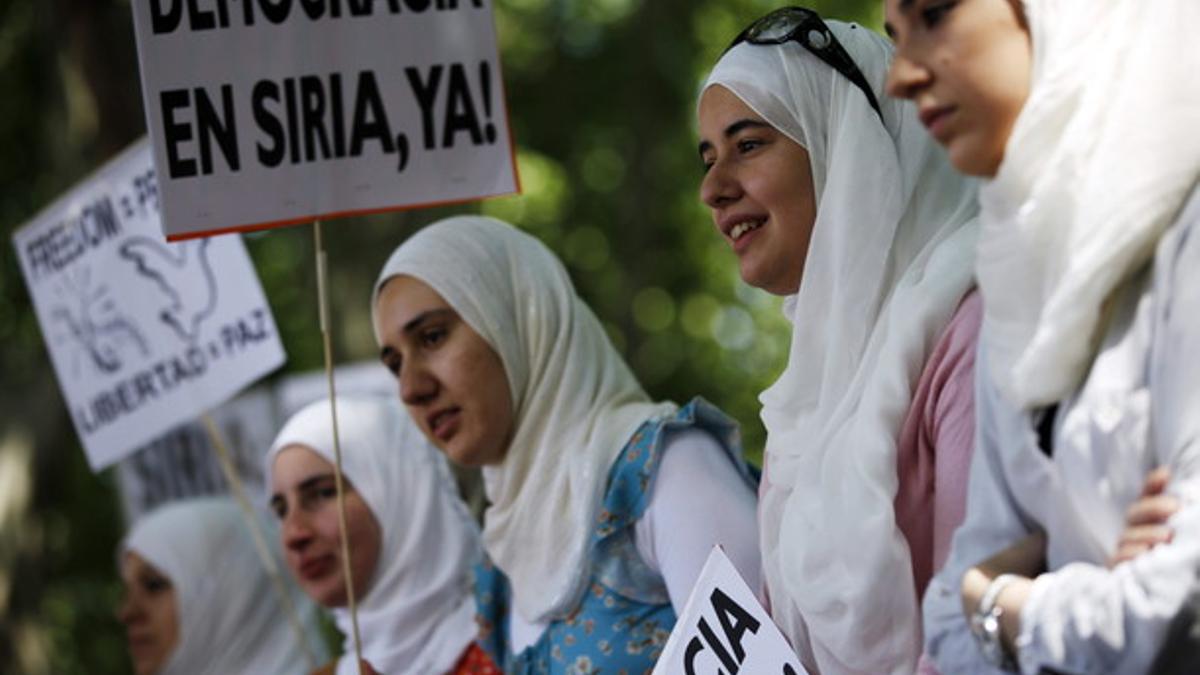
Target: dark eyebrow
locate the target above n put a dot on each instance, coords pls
(735, 128)
(415, 323)
(305, 484)
(419, 319)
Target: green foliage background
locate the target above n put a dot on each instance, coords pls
(602, 98)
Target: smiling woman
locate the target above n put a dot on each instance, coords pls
(832, 195)
(756, 176)
(411, 539)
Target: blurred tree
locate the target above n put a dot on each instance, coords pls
(602, 98)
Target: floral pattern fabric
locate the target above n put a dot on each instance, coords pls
(622, 622)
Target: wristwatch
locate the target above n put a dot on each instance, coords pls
(985, 625)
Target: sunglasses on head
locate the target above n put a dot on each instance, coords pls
(806, 27)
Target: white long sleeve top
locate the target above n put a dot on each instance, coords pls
(698, 500)
(1138, 408)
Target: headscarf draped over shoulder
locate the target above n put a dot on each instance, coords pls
(576, 402)
(1099, 164)
(889, 261)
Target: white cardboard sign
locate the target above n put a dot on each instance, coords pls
(724, 629)
(143, 335)
(271, 112)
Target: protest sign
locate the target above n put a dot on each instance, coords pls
(143, 335)
(271, 112)
(724, 629)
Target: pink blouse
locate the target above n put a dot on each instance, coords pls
(934, 454)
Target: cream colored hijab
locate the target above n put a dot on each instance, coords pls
(889, 261)
(231, 619)
(1100, 161)
(416, 613)
(576, 402)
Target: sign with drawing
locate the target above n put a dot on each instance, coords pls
(143, 335)
(299, 110)
(724, 629)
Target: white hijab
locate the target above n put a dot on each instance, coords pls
(889, 261)
(1101, 159)
(231, 620)
(416, 614)
(576, 402)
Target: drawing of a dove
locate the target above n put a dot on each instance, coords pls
(183, 273)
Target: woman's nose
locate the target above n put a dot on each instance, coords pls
(905, 77)
(417, 385)
(719, 186)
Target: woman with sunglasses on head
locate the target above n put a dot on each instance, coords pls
(1081, 117)
(198, 599)
(831, 195)
(604, 505)
(412, 542)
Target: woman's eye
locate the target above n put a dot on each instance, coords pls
(748, 144)
(314, 496)
(433, 336)
(933, 14)
(156, 584)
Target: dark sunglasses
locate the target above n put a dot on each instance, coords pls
(806, 27)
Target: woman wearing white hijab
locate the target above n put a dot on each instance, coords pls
(1082, 117)
(603, 504)
(412, 542)
(833, 196)
(198, 599)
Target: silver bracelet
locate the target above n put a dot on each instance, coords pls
(985, 624)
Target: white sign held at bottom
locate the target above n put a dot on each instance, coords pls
(724, 629)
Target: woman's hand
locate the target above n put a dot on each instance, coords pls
(1146, 520)
(1026, 559)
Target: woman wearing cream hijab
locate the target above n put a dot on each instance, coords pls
(198, 600)
(412, 542)
(833, 196)
(604, 504)
(1083, 118)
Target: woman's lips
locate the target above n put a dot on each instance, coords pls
(313, 569)
(445, 424)
(746, 237)
(937, 121)
(140, 643)
(740, 228)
